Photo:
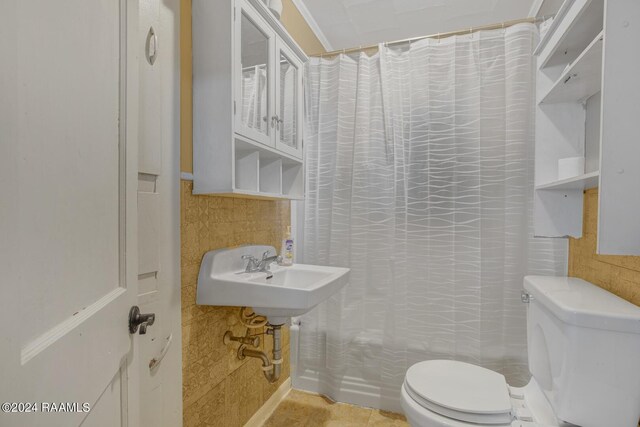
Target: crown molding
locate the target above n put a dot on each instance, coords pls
(535, 7)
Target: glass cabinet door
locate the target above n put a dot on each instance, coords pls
(253, 108)
(288, 101)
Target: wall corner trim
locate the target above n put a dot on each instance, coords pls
(270, 405)
(302, 8)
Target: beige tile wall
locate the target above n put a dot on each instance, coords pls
(299, 29)
(219, 389)
(617, 274)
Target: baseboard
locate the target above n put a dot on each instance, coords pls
(352, 390)
(270, 405)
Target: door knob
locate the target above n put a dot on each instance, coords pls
(138, 319)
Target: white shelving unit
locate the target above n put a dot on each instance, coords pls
(247, 102)
(587, 92)
(580, 182)
(576, 24)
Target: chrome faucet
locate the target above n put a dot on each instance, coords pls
(261, 266)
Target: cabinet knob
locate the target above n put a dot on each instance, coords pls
(275, 122)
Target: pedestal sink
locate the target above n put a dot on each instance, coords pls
(291, 291)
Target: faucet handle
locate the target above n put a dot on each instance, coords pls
(265, 255)
(252, 262)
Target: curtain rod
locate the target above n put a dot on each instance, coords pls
(506, 24)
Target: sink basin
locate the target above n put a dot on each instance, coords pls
(291, 291)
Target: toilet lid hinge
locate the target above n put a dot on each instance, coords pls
(522, 414)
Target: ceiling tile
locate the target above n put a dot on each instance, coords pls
(352, 23)
(367, 16)
(417, 5)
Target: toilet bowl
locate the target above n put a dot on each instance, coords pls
(573, 381)
(446, 393)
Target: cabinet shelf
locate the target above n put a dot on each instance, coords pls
(582, 79)
(575, 26)
(580, 182)
(255, 195)
(262, 171)
(565, 7)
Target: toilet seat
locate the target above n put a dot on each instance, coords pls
(460, 391)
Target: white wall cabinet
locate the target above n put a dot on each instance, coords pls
(247, 102)
(587, 91)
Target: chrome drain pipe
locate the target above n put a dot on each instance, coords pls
(271, 368)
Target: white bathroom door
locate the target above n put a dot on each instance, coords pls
(68, 212)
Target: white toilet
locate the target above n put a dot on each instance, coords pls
(584, 357)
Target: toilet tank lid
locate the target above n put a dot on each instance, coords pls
(578, 302)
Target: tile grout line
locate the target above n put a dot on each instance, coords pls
(369, 419)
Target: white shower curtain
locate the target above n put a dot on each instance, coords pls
(288, 107)
(420, 179)
(254, 98)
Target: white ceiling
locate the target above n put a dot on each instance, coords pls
(352, 23)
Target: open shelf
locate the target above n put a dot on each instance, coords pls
(558, 17)
(580, 182)
(262, 172)
(246, 170)
(270, 174)
(582, 79)
(578, 22)
(292, 180)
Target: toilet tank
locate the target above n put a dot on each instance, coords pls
(584, 351)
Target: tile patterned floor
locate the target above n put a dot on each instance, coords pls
(310, 410)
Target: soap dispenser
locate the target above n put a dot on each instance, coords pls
(287, 249)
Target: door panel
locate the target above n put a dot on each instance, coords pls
(254, 75)
(106, 412)
(148, 235)
(151, 51)
(289, 99)
(69, 156)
